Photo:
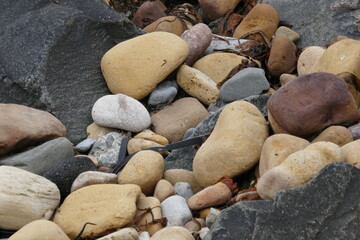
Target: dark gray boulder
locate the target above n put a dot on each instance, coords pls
(50, 56)
(318, 22)
(326, 208)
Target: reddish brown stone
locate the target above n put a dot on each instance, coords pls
(149, 12)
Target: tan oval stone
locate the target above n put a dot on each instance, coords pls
(197, 84)
(173, 233)
(144, 218)
(163, 190)
(151, 136)
(40, 229)
(336, 134)
(144, 169)
(195, 225)
(121, 64)
(182, 175)
(234, 145)
(138, 144)
(170, 24)
(218, 65)
(285, 78)
(277, 148)
(109, 206)
(351, 152)
(174, 120)
(91, 178)
(122, 234)
(308, 59)
(292, 35)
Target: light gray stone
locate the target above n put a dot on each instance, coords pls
(176, 211)
(227, 43)
(164, 93)
(212, 216)
(85, 145)
(183, 189)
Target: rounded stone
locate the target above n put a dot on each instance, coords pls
(122, 234)
(95, 131)
(120, 65)
(292, 35)
(183, 189)
(351, 152)
(336, 134)
(285, 78)
(144, 169)
(85, 145)
(176, 211)
(169, 24)
(173, 233)
(234, 145)
(308, 59)
(164, 94)
(151, 136)
(122, 112)
(182, 175)
(93, 177)
(163, 190)
(149, 12)
(138, 144)
(214, 9)
(195, 225)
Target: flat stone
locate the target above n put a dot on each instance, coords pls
(176, 211)
(164, 94)
(93, 177)
(123, 234)
(173, 233)
(85, 145)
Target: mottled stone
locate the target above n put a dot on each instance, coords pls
(173, 233)
(92, 177)
(336, 134)
(176, 211)
(163, 190)
(308, 59)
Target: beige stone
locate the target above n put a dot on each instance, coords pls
(234, 145)
(285, 78)
(144, 218)
(308, 59)
(40, 229)
(144, 169)
(138, 144)
(122, 234)
(151, 136)
(22, 127)
(351, 152)
(170, 24)
(336, 134)
(182, 175)
(292, 35)
(25, 197)
(195, 225)
(298, 168)
(218, 65)
(277, 148)
(133, 67)
(95, 131)
(174, 120)
(203, 213)
(163, 190)
(197, 84)
(109, 206)
(173, 233)
(91, 178)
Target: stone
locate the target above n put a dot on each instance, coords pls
(173, 233)
(95, 131)
(218, 65)
(144, 169)
(163, 190)
(173, 121)
(351, 152)
(122, 112)
(195, 225)
(311, 102)
(275, 219)
(125, 77)
(144, 219)
(282, 57)
(149, 12)
(93, 177)
(123, 234)
(336, 134)
(285, 78)
(92, 158)
(212, 216)
(221, 44)
(262, 17)
(323, 20)
(182, 175)
(298, 168)
(38, 62)
(176, 211)
(183, 189)
(106, 149)
(355, 131)
(144, 236)
(214, 195)
(34, 195)
(247, 82)
(277, 148)
(292, 35)
(203, 232)
(85, 145)
(64, 173)
(151, 136)
(40, 229)
(145, 139)
(164, 94)
(116, 203)
(245, 129)
(197, 84)
(308, 59)
(41, 158)
(204, 213)
(170, 24)
(22, 127)
(198, 38)
(214, 9)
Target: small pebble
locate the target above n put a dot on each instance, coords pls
(163, 190)
(212, 216)
(85, 145)
(176, 210)
(164, 94)
(93, 177)
(183, 189)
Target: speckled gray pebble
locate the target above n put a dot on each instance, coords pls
(176, 211)
(85, 146)
(164, 93)
(183, 189)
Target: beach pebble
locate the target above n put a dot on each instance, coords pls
(212, 216)
(308, 59)
(144, 219)
(182, 175)
(355, 131)
(85, 145)
(351, 152)
(285, 78)
(144, 236)
(183, 189)
(95, 131)
(93, 177)
(173, 233)
(214, 9)
(203, 232)
(292, 35)
(163, 190)
(169, 24)
(164, 94)
(222, 44)
(149, 12)
(176, 210)
(122, 234)
(151, 136)
(195, 225)
(336, 134)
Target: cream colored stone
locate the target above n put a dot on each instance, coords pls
(182, 175)
(351, 152)
(151, 136)
(292, 35)
(122, 234)
(95, 131)
(197, 84)
(195, 225)
(234, 145)
(308, 59)
(285, 78)
(163, 190)
(109, 206)
(138, 144)
(25, 197)
(144, 219)
(218, 65)
(40, 229)
(91, 178)
(145, 169)
(133, 67)
(336, 134)
(173, 233)
(277, 148)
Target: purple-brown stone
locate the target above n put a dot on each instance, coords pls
(149, 12)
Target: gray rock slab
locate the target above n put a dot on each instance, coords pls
(327, 207)
(42, 158)
(318, 22)
(50, 55)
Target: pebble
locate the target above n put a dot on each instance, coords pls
(212, 216)
(173, 233)
(222, 44)
(22, 127)
(195, 225)
(336, 134)
(92, 177)
(163, 190)
(125, 77)
(247, 82)
(197, 84)
(183, 189)
(88, 205)
(173, 121)
(182, 175)
(95, 131)
(145, 169)
(176, 211)
(245, 129)
(308, 59)
(285, 78)
(215, 9)
(355, 131)
(34, 195)
(144, 236)
(85, 145)
(203, 232)
(122, 112)
(292, 35)
(41, 158)
(164, 94)
(122, 234)
(351, 152)
(151, 136)
(170, 24)
(138, 144)
(149, 12)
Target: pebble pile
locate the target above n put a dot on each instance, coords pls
(163, 85)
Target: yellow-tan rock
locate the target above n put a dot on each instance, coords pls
(170, 24)
(292, 35)
(173, 233)
(95, 131)
(122, 234)
(144, 219)
(182, 175)
(336, 134)
(234, 145)
(285, 78)
(151, 136)
(133, 67)
(351, 152)
(308, 59)
(163, 190)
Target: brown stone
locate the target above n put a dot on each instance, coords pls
(336, 134)
(144, 218)
(149, 12)
(215, 9)
(171, 24)
(163, 190)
